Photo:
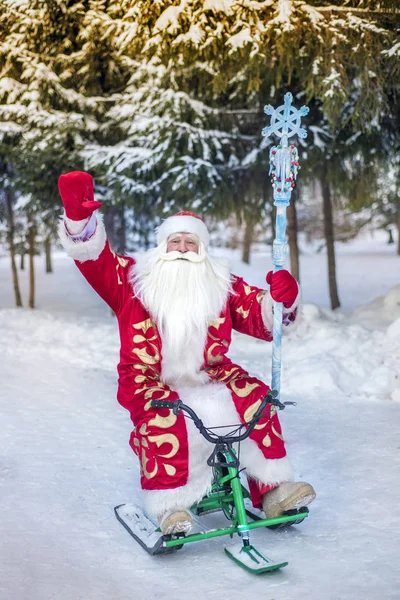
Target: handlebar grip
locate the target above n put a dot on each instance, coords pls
(163, 403)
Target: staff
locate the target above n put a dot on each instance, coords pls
(284, 165)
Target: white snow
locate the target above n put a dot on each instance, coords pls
(65, 460)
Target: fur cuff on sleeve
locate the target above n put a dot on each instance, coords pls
(83, 251)
(267, 311)
(291, 316)
(75, 227)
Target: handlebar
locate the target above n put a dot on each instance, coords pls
(178, 406)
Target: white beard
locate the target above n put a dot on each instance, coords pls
(182, 292)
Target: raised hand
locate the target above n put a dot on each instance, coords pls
(77, 194)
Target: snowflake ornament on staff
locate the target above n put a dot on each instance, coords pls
(284, 165)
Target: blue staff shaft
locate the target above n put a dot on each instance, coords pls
(278, 259)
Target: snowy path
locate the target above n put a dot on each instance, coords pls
(65, 463)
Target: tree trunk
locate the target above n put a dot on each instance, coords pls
(292, 237)
(122, 230)
(330, 241)
(22, 261)
(47, 249)
(109, 224)
(398, 227)
(247, 239)
(31, 252)
(10, 234)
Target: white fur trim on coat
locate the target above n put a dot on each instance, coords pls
(183, 224)
(80, 250)
(214, 405)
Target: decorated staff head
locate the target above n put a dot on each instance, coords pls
(284, 159)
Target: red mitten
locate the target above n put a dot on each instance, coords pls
(76, 191)
(283, 287)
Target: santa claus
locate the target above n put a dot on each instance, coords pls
(176, 307)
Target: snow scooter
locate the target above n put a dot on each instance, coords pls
(227, 494)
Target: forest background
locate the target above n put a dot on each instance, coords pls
(162, 102)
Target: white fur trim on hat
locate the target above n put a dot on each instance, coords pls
(183, 224)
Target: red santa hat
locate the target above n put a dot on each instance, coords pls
(183, 222)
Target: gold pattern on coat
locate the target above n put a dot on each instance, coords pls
(146, 473)
(154, 374)
(170, 470)
(212, 360)
(122, 261)
(228, 376)
(260, 296)
(159, 440)
(243, 313)
(151, 391)
(249, 414)
(216, 323)
(267, 441)
(247, 289)
(144, 325)
(147, 358)
(278, 435)
(166, 438)
(164, 422)
(246, 391)
(137, 339)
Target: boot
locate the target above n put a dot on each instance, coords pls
(177, 521)
(287, 496)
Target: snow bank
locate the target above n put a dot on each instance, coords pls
(356, 356)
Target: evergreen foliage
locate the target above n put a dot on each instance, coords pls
(162, 100)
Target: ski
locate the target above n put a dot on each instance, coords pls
(143, 530)
(250, 559)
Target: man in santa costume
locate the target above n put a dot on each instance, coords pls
(176, 307)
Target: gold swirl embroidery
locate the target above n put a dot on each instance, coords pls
(122, 261)
(247, 289)
(243, 313)
(159, 440)
(164, 422)
(143, 325)
(212, 360)
(243, 392)
(260, 296)
(166, 438)
(278, 435)
(144, 461)
(267, 441)
(151, 391)
(249, 414)
(118, 277)
(229, 375)
(154, 374)
(169, 469)
(145, 357)
(216, 323)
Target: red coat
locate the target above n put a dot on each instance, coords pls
(160, 438)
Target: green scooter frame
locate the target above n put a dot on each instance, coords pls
(228, 495)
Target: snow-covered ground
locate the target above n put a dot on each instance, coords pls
(65, 460)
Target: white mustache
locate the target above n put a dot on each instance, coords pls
(190, 256)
